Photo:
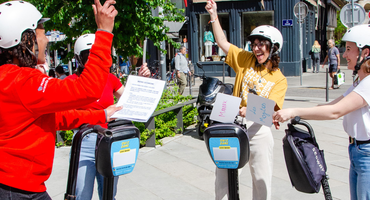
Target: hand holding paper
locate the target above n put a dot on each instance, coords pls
(139, 99)
(259, 110)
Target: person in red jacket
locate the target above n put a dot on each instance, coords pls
(113, 88)
(33, 105)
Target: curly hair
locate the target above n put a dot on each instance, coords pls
(275, 58)
(20, 51)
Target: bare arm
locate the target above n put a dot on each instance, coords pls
(119, 92)
(333, 102)
(350, 103)
(338, 56)
(326, 59)
(220, 37)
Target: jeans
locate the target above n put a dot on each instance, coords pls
(10, 193)
(87, 171)
(359, 171)
(316, 62)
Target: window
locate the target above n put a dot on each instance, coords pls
(208, 48)
(251, 20)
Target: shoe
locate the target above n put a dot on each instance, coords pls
(331, 88)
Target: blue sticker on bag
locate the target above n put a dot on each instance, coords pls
(225, 152)
(124, 155)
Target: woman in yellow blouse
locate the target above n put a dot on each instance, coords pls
(257, 73)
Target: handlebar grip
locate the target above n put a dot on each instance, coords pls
(102, 131)
(297, 120)
(205, 111)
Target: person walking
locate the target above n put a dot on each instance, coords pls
(354, 106)
(256, 72)
(34, 105)
(113, 88)
(182, 69)
(316, 49)
(334, 61)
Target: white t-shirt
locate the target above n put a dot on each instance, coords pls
(357, 123)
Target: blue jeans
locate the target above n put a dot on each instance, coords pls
(10, 193)
(359, 171)
(87, 171)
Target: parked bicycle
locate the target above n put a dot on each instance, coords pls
(154, 69)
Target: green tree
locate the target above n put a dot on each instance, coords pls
(339, 31)
(133, 23)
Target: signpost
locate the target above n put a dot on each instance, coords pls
(352, 14)
(300, 12)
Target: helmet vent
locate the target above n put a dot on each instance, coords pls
(8, 4)
(261, 31)
(16, 40)
(89, 44)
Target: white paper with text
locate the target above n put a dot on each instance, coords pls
(260, 109)
(139, 99)
(225, 108)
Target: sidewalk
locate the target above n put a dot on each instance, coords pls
(183, 169)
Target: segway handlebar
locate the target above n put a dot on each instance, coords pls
(102, 131)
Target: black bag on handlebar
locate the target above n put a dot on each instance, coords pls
(209, 89)
(304, 160)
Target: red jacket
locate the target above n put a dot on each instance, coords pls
(30, 113)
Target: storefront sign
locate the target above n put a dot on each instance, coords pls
(287, 22)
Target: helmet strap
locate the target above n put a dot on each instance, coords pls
(359, 63)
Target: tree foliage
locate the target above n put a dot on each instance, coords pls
(133, 24)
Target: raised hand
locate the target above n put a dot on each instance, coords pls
(211, 8)
(105, 14)
(144, 70)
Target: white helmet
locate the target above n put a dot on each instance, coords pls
(269, 32)
(358, 35)
(84, 42)
(15, 18)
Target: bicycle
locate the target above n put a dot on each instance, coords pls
(154, 69)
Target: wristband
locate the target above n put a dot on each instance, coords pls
(106, 115)
(211, 21)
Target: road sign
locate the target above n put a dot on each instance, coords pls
(300, 11)
(287, 22)
(358, 17)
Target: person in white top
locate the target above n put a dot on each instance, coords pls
(354, 106)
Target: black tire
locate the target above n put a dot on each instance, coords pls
(200, 131)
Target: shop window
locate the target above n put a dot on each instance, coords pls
(208, 48)
(251, 20)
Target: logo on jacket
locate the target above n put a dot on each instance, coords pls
(43, 84)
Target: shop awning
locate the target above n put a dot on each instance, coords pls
(312, 2)
(174, 26)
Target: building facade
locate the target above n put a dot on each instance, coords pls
(239, 17)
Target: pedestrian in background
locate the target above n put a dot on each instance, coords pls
(182, 69)
(51, 73)
(334, 61)
(256, 72)
(354, 106)
(316, 49)
(59, 71)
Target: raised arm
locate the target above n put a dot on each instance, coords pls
(220, 37)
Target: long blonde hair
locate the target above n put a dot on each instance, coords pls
(316, 44)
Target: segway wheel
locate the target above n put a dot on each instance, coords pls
(200, 130)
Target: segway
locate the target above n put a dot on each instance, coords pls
(208, 91)
(304, 160)
(115, 154)
(228, 145)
